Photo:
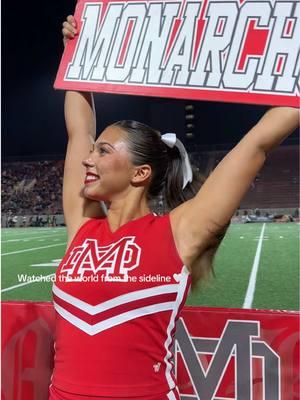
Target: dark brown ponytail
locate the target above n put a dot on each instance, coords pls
(174, 192)
(146, 147)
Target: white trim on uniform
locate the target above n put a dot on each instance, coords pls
(116, 301)
(181, 290)
(171, 395)
(113, 321)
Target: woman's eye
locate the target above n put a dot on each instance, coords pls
(102, 150)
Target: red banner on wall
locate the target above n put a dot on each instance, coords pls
(234, 51)
(27, 350)
(227, 354)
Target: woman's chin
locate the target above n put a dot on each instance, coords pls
(91, 196)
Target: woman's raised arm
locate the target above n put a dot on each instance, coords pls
(197, 222)
(81, 128)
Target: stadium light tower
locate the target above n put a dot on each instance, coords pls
(189, 121)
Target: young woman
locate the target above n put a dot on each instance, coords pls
(125, 276)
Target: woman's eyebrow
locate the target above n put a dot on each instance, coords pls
(101, 143)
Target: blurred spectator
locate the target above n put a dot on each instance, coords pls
(32, 188)
(14, 220)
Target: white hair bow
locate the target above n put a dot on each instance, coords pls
(171, 140)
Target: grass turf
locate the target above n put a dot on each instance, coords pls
(277, 284)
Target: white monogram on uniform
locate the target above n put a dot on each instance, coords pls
(116, 259)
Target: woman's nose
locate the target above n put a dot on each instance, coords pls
(88, 162)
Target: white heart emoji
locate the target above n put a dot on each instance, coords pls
(177, 277)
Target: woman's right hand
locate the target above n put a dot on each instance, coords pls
(69, 29)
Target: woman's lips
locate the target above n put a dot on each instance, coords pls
(90, 178)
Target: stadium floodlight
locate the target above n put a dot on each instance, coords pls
(189, 116)
(189, 135)
(189, 107)
(190, 126)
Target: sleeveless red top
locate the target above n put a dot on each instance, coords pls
(117, 297)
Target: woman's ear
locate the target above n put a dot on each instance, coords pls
(142, 174)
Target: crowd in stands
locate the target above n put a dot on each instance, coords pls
(35, 188)
(32, 187)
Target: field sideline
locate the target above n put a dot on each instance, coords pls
(266, 255)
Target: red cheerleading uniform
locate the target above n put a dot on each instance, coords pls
(117, 297)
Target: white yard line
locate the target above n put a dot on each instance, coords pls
(252, 281)
(21, 234)
(33, 249)
(53, 263)
(23, 230)
(30, 238)
(22, 284)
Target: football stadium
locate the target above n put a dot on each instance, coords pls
(264, 234)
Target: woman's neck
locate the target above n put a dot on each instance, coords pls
(122, 211)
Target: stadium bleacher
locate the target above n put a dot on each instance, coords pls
(35, 188)
(277, 185)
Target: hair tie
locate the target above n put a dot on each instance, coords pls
(171, 140)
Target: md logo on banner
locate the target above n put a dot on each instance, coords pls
(220, 354)
(238, 345)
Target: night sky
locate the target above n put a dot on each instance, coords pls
(32, 111)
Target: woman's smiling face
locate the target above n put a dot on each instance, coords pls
(108, 167)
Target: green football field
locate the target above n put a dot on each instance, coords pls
(257, 266)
